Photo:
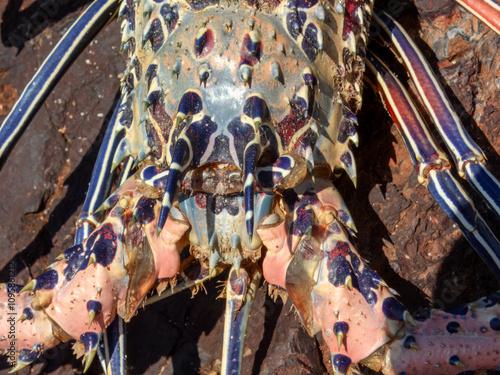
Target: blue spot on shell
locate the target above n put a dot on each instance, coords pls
(495, 324)
(422, 316)
(28, 313)
(29, 356)
(76, 260)
(341, 363)
(94, 306)
(459, 310)
(409, 341)
(144, 210)
(105, 246)
(453, 327)
(340, 327)
(89, 340)
(310, 42)
(454, 360)
(393, 309)
(47, 280)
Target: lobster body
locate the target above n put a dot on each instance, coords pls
(236, 117)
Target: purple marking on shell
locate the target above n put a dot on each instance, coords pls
(269, 146)
(346, 159)
(94, 306)
(393, 309)
(340, 327)
(346, 113)
(129, 13)
(252, 153)
(255, 107)
(454, 360)
(338, 266)
(307, 140)
(28, 313)
(127, 115)
(150, 172)
(270, 178)
(341, 363)
(310, 80)
(294, 23)
(483, 329)
(300, 104)
(242, 134)
(218, 203)
(346, 130)
(335, 228)
(103, 242)
(151, 73)
(310, 43)
(47, 280)
(204, 44)
(305, 3)
(267, 179)
(491, 300)
(458, 310)
(190, 103)
(155, 35)
(303, 221)
(170, 16)
(366, 279)
(238, 284)
(199, 134)
(202, 4)
(154, 98)
(29, 356)
(251, 50)
(144, 210)
(423, 315)
(14, 288)
(220, 151)
(129, 82)
(196, 272)
(453, 327)
(76, 259)
(495, 323)
(136, 65)
(89, 340)
(409, 342)
(351, 19)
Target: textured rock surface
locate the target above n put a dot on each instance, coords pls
(402, 232)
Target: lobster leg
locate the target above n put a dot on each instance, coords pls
(336, 293)
(487, 11)
(95, 17)
(240, 292)
(433, 167)
(449, 341)
(467, 155)
(109, 274)
(326, 279)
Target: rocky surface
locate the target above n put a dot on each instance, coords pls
(401, 231)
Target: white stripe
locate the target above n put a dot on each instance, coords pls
(421, 92)
(54, 72)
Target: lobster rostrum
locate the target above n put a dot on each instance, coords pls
(232, 119)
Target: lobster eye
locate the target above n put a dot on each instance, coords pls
(234, 176)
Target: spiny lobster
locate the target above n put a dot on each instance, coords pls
(347, 283)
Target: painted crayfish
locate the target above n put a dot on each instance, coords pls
(231, 122)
